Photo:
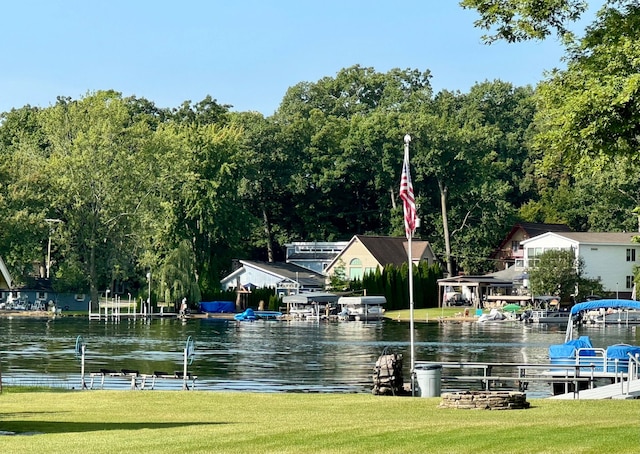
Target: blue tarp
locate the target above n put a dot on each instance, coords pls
(606, 304)
(246, 315)
(568, 349)
(218, 306)
(620, 351)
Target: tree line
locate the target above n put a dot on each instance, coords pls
(177, 193)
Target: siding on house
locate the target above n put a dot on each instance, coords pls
(609, 257)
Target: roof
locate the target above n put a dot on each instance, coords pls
(312, 256)
(289, 271)
(5, 274)
(535, 229)
(312, 297)
(531, 229)
(474, 280)
(391, 250)
(594, 237)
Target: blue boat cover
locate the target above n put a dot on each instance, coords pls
(620, 351)
(248, 314)
(568, 349)
(606, 304)
(218, 306)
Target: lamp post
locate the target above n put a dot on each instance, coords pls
(50, 222)
(149, 298)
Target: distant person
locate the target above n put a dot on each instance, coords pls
(183, 307)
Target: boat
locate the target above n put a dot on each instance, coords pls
(612, 317)
(496, 315)
(248, 315)
(552, 316)
(610, 362)
(361, 308)
(313, 305)
(268, 315)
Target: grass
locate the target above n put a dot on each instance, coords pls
(431, 314)
(211, 422)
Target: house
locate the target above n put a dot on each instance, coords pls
(367, 253)
(313, 255)
(6, 282)
(609, 257)
(285, 278)
(5, 277)
(510, 251)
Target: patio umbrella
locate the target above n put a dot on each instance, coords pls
(511, 307)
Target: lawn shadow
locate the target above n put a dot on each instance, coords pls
(55, 427)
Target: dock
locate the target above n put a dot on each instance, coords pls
(627, 389)
(579, 381)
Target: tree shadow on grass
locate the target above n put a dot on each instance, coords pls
(52, 427)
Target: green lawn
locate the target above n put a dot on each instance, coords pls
(431, 314)
(212, 422)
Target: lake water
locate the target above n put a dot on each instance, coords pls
(266, 356)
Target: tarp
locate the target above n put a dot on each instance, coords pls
(621, 351)
(218, 306)
(248, 314)
(569, 348)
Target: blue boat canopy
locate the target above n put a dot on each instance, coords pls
(605, 304)
(595, 305)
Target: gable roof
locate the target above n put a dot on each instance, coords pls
(391, 250)
(387, 250)
(531, 229)
(6, 276)
(535, 229)
(286, 271)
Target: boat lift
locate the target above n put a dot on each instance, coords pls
(138, 380)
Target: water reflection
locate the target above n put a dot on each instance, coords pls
(266, 356)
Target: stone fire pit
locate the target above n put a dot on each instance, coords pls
(485, 400)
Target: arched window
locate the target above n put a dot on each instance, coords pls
(355, 269)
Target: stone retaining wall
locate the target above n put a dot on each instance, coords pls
(485, 400)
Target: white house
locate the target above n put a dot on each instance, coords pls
(285, 278)
(609, 257)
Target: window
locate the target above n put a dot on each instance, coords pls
(515, 245)
(631, 255)
(533, 255)
(355, 269)
(629, 281)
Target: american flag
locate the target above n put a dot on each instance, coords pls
(406, 194)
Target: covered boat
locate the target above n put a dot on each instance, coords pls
(580, 352)
(361, 308)
(310, 305)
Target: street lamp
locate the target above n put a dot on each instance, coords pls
(149, 298)
(50, 222)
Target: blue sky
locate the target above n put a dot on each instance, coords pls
(246, 53)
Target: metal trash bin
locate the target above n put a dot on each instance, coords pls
(428, 380)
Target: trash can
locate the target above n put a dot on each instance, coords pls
(428, 378)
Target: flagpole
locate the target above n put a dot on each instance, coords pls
(407, 140)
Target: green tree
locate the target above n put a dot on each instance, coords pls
(558, 273)
(95, 169)
(519, 20)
